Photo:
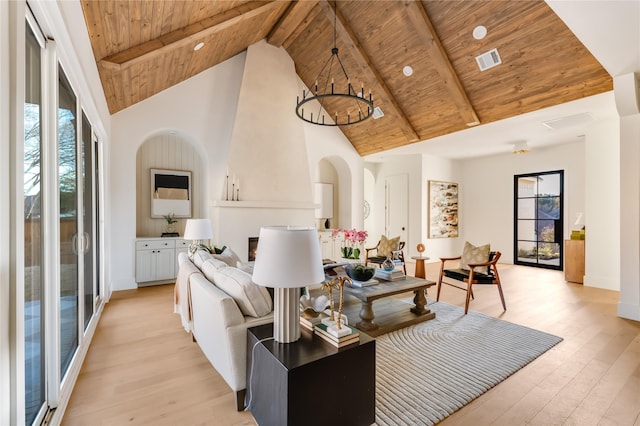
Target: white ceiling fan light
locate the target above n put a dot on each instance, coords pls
(520, 147)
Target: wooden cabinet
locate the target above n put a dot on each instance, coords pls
(310, 382)
(574, 261)
(156, 259)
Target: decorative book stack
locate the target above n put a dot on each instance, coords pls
(309, 323)
(372, 281)
(348, 339)
(393, 275)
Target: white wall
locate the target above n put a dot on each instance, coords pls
(486, 211)
(602, 205)
(410, 165)
(203, 110)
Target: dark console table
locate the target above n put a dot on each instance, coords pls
(310, 382)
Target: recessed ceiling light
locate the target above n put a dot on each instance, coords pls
(407, 70)
(479, 32)
(198, 46)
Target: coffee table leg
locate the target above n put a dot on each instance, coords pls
(420, 302)
(366, 316)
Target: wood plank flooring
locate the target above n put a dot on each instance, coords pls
(143, 369)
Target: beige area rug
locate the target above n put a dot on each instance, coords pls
(459, 357)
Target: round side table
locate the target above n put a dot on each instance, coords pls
(420, 266)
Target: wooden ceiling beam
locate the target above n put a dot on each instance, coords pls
(358, 53)
(440, 60)
(187, 35)
(292, 18)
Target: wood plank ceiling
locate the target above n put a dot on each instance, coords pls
(142, 47)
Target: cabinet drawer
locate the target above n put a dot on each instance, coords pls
(154, 244)
(182, 243)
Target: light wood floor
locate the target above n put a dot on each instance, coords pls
(142, 368)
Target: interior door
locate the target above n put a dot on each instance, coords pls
(397, 206)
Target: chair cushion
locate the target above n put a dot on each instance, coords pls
(252, 299)
(463, 274)
(472, 254)
(386, 246)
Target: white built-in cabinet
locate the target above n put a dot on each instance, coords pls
(330, 247)
(157, 259)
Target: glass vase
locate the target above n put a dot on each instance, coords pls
(388, 264)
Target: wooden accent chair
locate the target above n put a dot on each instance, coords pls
(470, 277)
(397, 256)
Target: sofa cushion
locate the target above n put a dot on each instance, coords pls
(200, 256)
(252, 299)
(229, 257)
(210, 266)
(472, 255)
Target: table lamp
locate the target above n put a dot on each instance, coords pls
(288, 258)
(197, 230)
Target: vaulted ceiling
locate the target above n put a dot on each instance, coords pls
(142, 47)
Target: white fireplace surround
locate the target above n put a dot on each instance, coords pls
(235, 221)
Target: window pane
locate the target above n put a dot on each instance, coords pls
(527, 186)
(68, 197)
(546, 230)
(87, 216)
(549, 185)
(33, 288)
(527, 252)
(549, 208)
(549, 254)
(527, 208)
(526, 230)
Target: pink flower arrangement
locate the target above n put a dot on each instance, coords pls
(352, 238)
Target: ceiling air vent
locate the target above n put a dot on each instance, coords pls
(377, 113)
(570, 121)
(488, 60)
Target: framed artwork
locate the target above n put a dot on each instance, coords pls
(443, 209)
(170, 193)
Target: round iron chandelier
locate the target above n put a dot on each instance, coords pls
(349, 106)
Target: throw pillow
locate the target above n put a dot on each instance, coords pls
(229, 257)
(200, 256)
(210, 266)
(386, 246)
(472, 254)
(252, 299)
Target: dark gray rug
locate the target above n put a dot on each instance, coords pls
(458, 358)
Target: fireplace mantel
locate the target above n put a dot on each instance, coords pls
(263, 205)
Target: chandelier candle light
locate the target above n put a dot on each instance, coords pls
(348, 107)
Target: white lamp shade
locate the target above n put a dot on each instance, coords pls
(198, 229)
(288, 257)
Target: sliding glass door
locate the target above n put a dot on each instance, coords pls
(538, 209)
(68, 220)
(60, 198)
(34, 314)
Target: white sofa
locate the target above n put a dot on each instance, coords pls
(224, 302)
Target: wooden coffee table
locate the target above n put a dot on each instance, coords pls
(389, 288)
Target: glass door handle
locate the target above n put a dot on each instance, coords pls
(85, 242)
(74, 244)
